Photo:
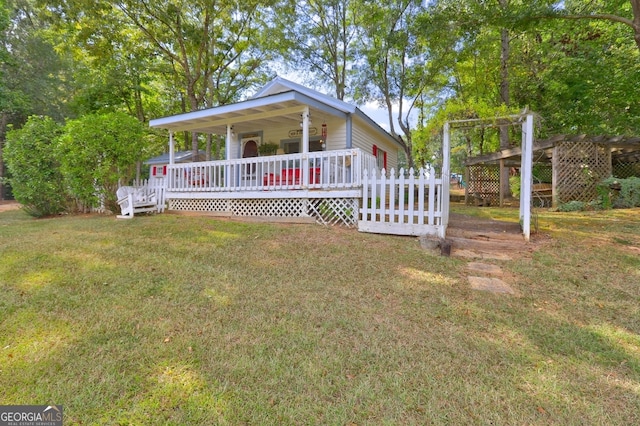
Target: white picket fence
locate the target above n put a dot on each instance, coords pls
(404, 203)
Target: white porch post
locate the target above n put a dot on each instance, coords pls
(172, 149)
(305, 147)
(227, 151)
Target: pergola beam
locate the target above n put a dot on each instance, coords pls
(507, 153)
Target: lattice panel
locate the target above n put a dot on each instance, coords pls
(483, 187)
(579, 167)
(199, 205)
(542, 173)
(626, 170)
(327, 211)
(335, 211)
(286, 207)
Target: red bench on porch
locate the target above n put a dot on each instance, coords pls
(291, 177)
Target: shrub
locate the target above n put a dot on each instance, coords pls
(619, 193)
(96, 151)
(572, 206)
(514, 185)
(36, 178)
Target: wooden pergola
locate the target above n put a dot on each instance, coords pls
(575, 164)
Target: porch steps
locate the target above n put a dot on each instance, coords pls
(497, 249)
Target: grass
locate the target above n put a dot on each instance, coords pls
(188, 320)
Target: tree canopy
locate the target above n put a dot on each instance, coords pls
(576, 64)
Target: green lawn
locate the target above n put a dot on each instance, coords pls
(190, 320)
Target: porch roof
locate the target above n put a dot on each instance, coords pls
(271, 110)
(279, 103)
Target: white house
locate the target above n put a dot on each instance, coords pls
(321, 146)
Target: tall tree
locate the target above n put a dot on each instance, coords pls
(322, 39)
(213, 47)
(392, 65)
(580, 76)
(622, 12)
(34, 78)
(209, 52)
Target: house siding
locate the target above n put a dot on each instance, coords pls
(365, 138)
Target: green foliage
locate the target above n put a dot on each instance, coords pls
(36, 80)
(542, 173)
(572, 206)
(474, 141)
(268, 148)
(35, 173)
(580, 76)
(619, 193)
(514, 185)
(96, 151)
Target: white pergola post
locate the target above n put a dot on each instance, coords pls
(526, 176)
(305, 147)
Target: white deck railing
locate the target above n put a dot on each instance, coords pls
(314, 170)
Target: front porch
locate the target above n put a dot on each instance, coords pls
(323, 186)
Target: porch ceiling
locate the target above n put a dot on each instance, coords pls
(282, 109)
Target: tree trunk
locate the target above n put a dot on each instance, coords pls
(3, 128)
(635, 6)
(504, 83)
(194, 145)
(138, 101)
(209, 141)
(505, 191)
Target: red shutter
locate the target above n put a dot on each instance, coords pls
(385, 160)
(375, 150)
(164, 170)
(154, 170)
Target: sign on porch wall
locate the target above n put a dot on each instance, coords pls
(297, 133)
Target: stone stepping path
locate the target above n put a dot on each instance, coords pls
(489, 279)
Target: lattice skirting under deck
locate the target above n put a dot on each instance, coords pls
(327, 211)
